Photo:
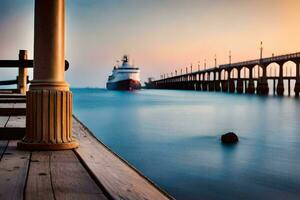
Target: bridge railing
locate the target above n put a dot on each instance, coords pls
(264, 60)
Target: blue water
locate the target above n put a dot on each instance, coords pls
(173, 138)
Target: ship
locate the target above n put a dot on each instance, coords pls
(124, 77)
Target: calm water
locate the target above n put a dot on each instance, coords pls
(173, 138)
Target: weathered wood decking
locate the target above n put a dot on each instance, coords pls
(91, 171)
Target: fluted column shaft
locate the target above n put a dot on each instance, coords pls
(49, 101)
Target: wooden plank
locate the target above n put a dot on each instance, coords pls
(20, 105)
(12, 133)
(12, 111)
(13, 172)
(3, 145)
(14, 128)
(12, 96)
(6, 105)
(3, 121)
(119, 179)
(9, 82)
(39, 177)
(27, 63)
(59, 175)
(7, 91)
(16, 122)
(12, 100)
(70, 179)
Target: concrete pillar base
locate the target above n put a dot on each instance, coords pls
(217, 86)
(224, 86)
(231, 86)
(297, 88)
(204, 86)
(251, 88)
(262, 88)
(198, 86)
(48, 121)
(211, 86)
(240, 86)
(280, 89)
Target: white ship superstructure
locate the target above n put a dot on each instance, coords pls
(124, 77)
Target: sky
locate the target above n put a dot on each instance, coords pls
(159, 35)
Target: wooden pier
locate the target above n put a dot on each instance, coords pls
(91, 171)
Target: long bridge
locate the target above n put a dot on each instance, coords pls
(242, 77)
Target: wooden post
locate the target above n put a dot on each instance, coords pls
(49, 101)
(22, 77)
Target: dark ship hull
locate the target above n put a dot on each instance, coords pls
(124, 85)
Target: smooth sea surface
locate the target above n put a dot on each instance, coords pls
(173, 138)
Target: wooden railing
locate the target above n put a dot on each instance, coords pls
(22, 79)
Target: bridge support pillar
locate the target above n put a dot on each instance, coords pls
(251, 87)
(280, 86)
(49, 101)
(262, 85)
(263, 88)
(204, 85)
(211, 86)
(217, 82)
(240, 84)
(217, 86)
(297, 84)
(231, 84)
(224, 84)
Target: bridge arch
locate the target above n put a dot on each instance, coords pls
(257, 71)
(289, 68)
(217, 73)
(245, 72)
(234, 73)
(203, 76)
(211, 75)
(273, 69)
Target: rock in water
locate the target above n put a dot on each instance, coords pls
(229, 138)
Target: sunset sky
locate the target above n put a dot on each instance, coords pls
(160, 35)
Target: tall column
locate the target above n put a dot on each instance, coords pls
(49, 101)
(262, 86)
(251, 88)
(297, 84)
(204, 82)
(280, 86)
(240, 85)
(231, 84)
(22, 77)
(211, 86)
(217, 81)
(224, 82)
